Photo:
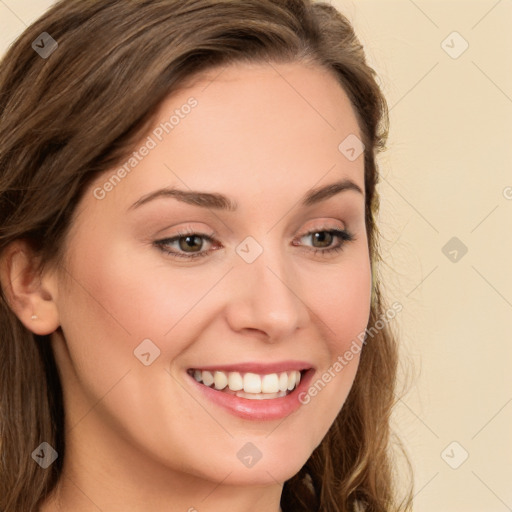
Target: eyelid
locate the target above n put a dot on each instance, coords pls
(211, 238)
(342, 234)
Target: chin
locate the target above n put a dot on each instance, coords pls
(263, 463)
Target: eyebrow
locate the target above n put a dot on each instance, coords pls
(218, 201)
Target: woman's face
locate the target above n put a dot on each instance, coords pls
(249, 296)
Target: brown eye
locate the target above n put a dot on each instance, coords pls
(324, 238)
(186, 245)
(190, 242)
(323, 241)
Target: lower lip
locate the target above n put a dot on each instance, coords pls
(262, 410)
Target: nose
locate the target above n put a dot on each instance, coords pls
(266, 296)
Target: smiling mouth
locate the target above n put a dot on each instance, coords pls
(252, 386)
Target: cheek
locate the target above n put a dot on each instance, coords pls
(126, 298)
(113, 302)
(342, 301)
(343, 298)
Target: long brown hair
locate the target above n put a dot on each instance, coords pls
(76, 113)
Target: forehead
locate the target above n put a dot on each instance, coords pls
(254, 131)
(266, 96)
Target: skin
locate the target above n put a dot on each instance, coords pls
(141, 437)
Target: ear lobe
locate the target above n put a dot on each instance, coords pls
(29, 294)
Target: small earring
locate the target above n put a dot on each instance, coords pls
(34, 317)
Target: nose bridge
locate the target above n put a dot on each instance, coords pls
(267, 296)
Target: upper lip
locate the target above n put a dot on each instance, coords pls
(260, 368)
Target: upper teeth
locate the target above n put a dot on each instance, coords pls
(249, 382)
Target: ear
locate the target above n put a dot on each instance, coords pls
(29, 293)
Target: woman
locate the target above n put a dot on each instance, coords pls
(191, 316)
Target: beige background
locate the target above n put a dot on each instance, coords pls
(445, 175)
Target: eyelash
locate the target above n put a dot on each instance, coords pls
(343, 236)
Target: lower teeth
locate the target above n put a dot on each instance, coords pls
(252, 396)
(260, 396)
